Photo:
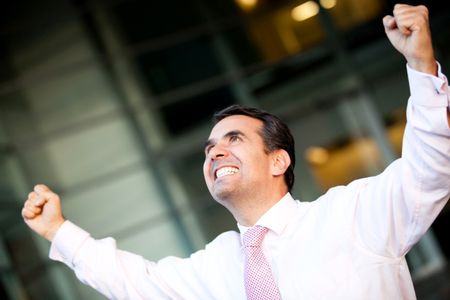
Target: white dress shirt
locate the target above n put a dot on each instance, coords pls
(348, 244)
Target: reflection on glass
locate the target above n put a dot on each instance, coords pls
(327, 4)
(347, 161)
(347, 14)
(305, 11)
(340, 163)
(283, 28)
(246, 5)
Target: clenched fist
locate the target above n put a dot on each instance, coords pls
(42, 211)
(409, 32)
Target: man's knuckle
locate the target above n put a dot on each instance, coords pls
(26, 212)
(423, 8)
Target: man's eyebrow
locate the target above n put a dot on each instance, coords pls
(226, 135)
(234, 133)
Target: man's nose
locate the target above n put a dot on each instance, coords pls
(218, 151)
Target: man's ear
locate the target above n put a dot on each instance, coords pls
(280, 162)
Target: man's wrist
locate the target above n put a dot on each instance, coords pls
(52, 232)
(429, 66)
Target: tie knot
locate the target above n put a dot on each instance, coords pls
(254, 236)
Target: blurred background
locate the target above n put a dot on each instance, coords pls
(109, 103)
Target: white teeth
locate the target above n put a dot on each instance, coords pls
(226, 171)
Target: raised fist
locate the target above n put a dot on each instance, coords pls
(42, 211)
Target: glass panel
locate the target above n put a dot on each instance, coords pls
(16, 116)
(12, 180)
(35, 55)
(191, 222)
(344, 150)
(155, 242)
(242, 45)
(280, 29)
(221, 9)
(22, 16)
(179, 65)
(6, 72)
(3, 140)
(347, 14)
(85, 155)
(56, 89)
(109, 209)
(193, 111)
(440, 228)
(142, 20)
(63, 102)
(29, 267)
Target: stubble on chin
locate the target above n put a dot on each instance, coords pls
(223, 195)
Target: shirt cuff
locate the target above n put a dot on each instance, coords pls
(67, 241)
(425, 87)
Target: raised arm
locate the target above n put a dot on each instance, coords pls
(98, 263)
(396, 208)
(409, 32)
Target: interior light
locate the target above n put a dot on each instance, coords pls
(247, 4)
(317, 155)
(328, 3)
(305, 11)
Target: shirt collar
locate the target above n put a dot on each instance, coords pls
(277, 217)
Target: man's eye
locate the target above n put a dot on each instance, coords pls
(234, 138)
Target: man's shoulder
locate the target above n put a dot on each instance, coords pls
(227, 238)
(343, 191)
(342, 197)
(225, 244)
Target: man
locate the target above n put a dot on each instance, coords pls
(348, 244)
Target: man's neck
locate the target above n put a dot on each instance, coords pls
(249, 212)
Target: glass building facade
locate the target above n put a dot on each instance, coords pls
(109, 103)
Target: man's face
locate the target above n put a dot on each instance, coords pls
(236, 164)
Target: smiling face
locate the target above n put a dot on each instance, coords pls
(236, 164)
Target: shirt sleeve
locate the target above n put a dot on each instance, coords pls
(395, 208)
(119, 274)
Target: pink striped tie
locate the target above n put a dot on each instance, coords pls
(259, 281)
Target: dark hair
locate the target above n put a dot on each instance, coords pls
(274, 132)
